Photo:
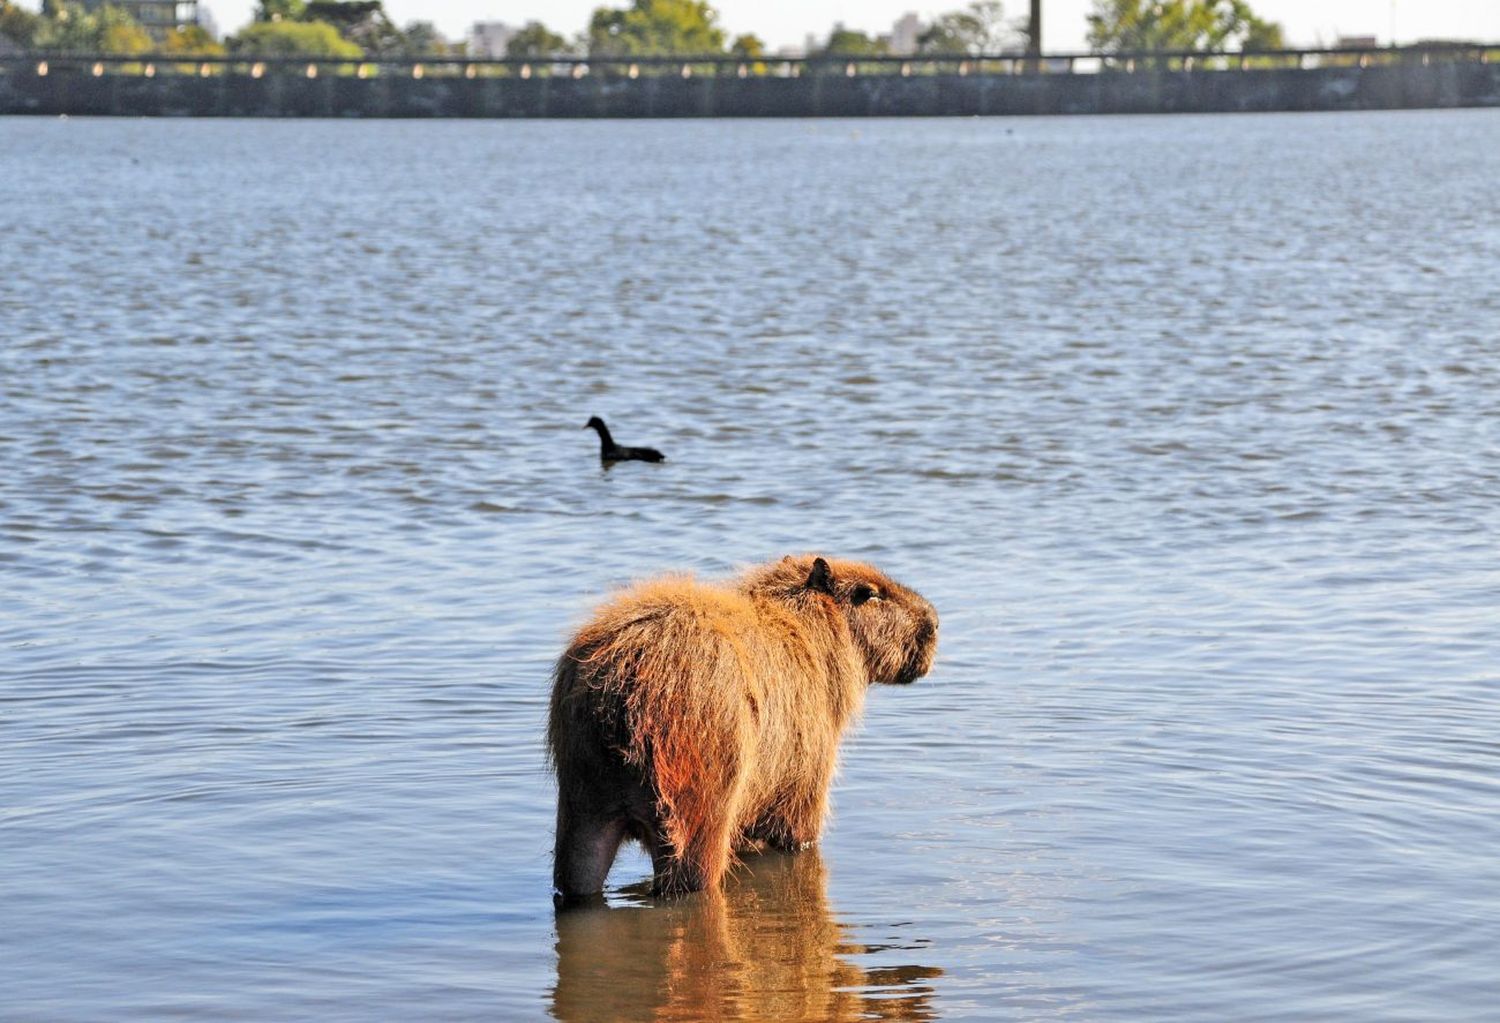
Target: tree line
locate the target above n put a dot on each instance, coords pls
(691, 28)
(643, 28)
(68, 26)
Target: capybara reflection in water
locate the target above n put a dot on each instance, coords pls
(768, 947)
(702, 719)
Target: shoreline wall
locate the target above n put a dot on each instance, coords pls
(1406, 86)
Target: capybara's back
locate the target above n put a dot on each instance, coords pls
(699, 719)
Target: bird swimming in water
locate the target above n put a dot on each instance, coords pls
(609, 451)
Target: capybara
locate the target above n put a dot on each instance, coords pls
(702, 719)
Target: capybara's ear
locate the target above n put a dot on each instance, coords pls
(820, 578)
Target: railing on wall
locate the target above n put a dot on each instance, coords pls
(718, 66)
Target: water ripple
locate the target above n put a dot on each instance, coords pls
(1189, 426)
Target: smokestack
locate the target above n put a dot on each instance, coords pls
(1034, 30)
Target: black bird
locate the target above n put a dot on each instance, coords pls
(609, 451)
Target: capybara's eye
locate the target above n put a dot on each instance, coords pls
(862, 593)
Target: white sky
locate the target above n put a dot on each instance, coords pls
(787, 22)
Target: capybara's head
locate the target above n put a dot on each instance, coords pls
(894, 628)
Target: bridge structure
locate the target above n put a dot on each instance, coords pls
(1021, 82)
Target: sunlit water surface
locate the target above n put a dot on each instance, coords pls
(1189, 427)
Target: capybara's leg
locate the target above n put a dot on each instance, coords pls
(672, 874)
(675, 872)
(803, 821)
(796, 817)
(587, 841)
(775, 831)
(700, 863)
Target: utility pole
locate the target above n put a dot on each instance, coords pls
(1034, 37)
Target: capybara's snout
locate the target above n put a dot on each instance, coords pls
(923, 644)
(899, 635)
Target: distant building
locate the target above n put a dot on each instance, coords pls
(904, 35)
(489, 38)
(157, 17)
(1356, 42)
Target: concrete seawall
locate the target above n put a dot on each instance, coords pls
(75, 91)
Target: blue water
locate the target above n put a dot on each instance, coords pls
(1189, 427)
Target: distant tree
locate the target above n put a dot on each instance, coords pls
(977, 28)
(363, 22)
(1210, 26)
(191, 40)
(422, 39)
(19, 25)
(748, 46)
(292, 39)
(120, 33)
(280, 10)
(69, 27)
(848, 42)
(342, 13)
(534, 40)
(655, 27)
(1263, 35)
(66, 27)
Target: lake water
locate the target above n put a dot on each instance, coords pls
(1190, 428)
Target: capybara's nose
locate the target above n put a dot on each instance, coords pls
(931, 625)
(927, 640)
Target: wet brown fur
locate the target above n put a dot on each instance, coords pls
(699, 719)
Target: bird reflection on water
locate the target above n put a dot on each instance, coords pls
(767, 947)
